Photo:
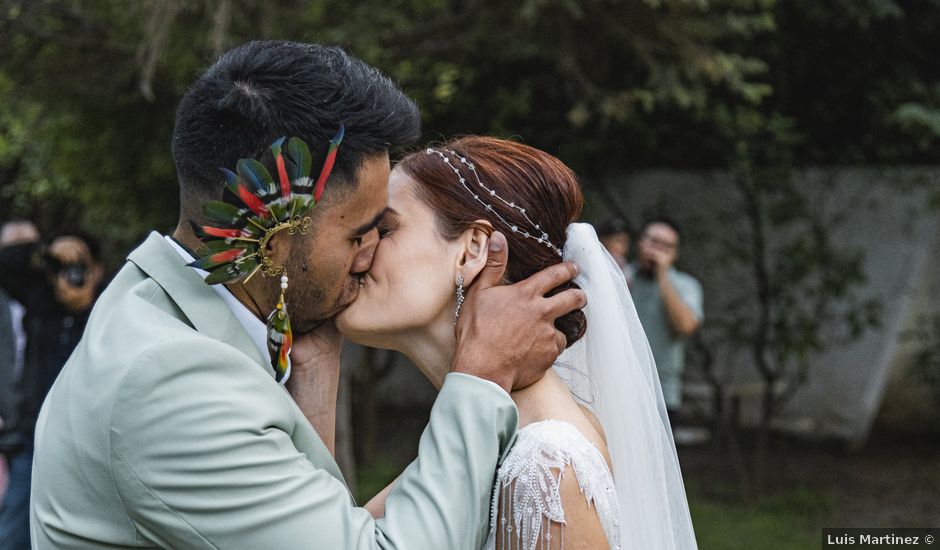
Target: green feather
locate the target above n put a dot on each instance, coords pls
(252, 171)
(228, 215)
(231, 272)
(280, 210)
(221, 275)
(300, 155)
(219, 245)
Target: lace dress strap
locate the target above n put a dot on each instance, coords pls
(527, 496)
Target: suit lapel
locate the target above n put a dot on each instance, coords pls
(206, 311)
(210, 315)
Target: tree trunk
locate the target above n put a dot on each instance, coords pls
(768, 409)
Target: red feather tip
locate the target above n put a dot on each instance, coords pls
(328, 163)
(226, 255)
(282, 173)
(222, 233)
(251, 201)
(324, 174)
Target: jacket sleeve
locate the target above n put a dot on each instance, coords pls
(203, 457)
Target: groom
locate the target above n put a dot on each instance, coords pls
(167, 429)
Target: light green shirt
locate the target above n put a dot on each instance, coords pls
(668, 349)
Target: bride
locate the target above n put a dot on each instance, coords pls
(593, 464)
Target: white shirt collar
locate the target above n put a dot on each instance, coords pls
(253, 326)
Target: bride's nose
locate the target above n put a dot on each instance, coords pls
(363, 260)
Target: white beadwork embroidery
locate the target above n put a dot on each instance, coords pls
(528, 483)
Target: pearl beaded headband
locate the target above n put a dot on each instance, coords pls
(541, 238)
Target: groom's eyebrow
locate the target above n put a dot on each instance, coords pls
(369, 226)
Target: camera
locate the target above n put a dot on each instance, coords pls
(74, 273)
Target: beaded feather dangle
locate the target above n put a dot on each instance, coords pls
(254, 208)
(280, 336)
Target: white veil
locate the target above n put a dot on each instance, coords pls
(611, 370)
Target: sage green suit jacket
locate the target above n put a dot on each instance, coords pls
(166, 429)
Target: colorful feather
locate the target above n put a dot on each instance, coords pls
(218, 258)
(328, 163)
(253, 172)
(280, 339)
(231, 178)
(206, 231)
(252, 208)
(252, 201)
(281, 168)
(225, 214)
(232, 272)
(300, 156)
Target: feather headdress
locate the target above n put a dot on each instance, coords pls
(255, 207)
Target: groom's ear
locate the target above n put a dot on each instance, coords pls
(475, 251)
(278, 247)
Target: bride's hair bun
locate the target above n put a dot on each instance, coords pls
(519, 174)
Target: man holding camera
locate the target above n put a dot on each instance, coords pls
(57, 285)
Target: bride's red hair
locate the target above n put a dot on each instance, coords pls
(526, 176)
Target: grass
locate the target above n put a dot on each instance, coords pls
(791, 520)
(787, 521)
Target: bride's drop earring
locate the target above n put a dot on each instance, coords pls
(280, 336)
(460, 297)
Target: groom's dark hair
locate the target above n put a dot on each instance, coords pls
(263, 90)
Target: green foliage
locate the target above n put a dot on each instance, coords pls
(89, 88)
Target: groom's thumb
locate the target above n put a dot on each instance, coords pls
(496, 259)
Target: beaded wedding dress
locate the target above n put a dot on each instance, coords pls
(527, 498)
(641, 504)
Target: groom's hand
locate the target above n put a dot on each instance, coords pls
(506, 333)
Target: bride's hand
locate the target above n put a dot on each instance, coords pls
(317, 348)
(314, 378)
(506, 333)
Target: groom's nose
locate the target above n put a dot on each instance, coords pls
(363, 260)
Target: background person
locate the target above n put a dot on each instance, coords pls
(57, 287)
(12, 339)
(668, 302)
(616, 234)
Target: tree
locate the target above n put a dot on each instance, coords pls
(805, 295)
(92, 85)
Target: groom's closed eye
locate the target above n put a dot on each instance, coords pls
(366, 228)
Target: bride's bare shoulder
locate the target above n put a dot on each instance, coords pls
(599, 437)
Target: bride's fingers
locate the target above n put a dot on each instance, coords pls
(566, 302)
(551, 277)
